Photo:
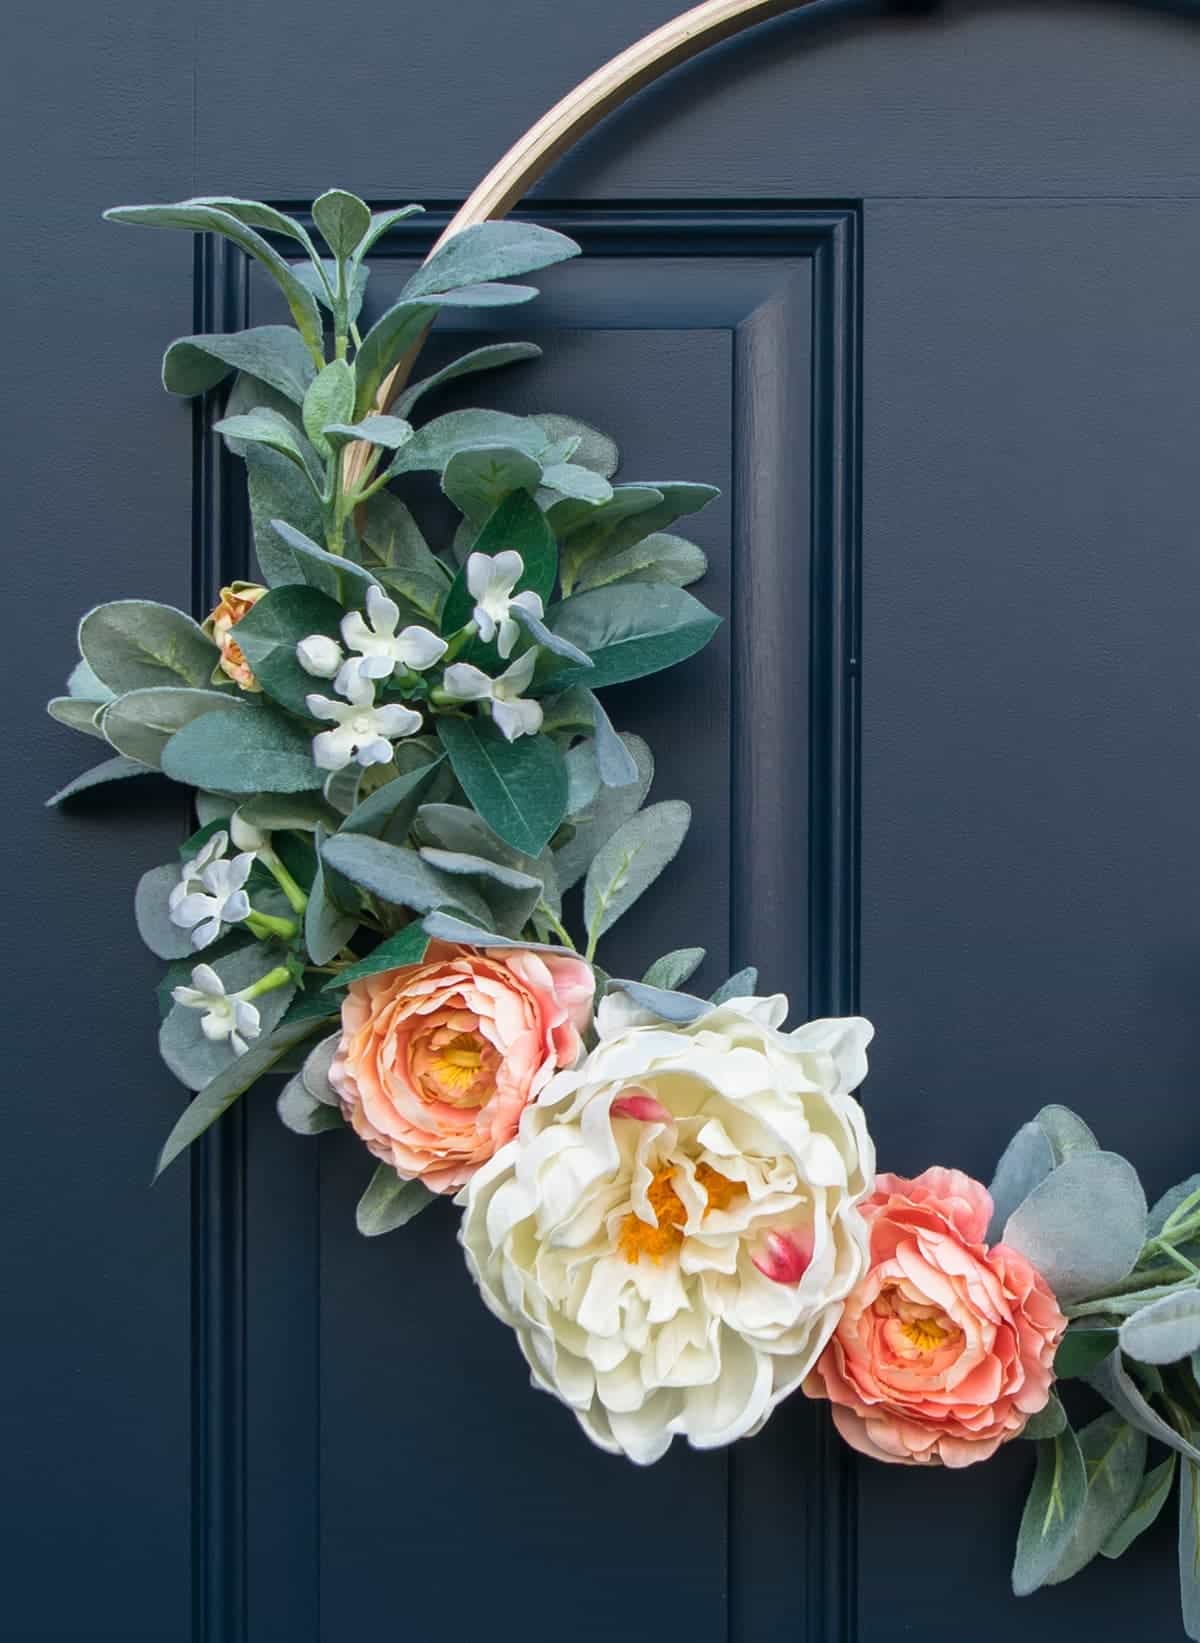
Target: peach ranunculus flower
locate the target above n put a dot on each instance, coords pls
(946, 1347)
(438, 1060)
(236, 600)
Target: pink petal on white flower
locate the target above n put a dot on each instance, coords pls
(786, 1257)
(646, 1108)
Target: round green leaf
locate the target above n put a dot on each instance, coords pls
(135, 644)
(243, 752)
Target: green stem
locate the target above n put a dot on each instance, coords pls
(556, 924)
(266, 925)
(278, 977)
(297, 900)
(456, 642)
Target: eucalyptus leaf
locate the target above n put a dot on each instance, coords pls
(479, 479)
(1165, 1331)
(196, 1060)
(399, 877)
(218, 1096)
(279, 490)
(1143, 1514)
(673, 969)
(85, 686)
(327, 927)
(739, 985)
(77, 714)
(1052, 1511)
(1056, 1226)
(1114, 1455)
(140, 723)
(330, 399)
(407, 946)
(519, 788)
(133, 644)
(274, 354)
(151, 909)
(236, 751)
(1026, 1162)
(630, 632)
(1066, 1132)
(479, 359)
(302, 1113)
(270, 631)
(489, 251)
(224, 217)
(343, 220)
(109, 770)
(630, 861)
(390, 1202)
(608, 810)
(390, 811)
(1171, 1201)
(571, 479)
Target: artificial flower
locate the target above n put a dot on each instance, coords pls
(675, 1227)
(379, 649)
(234, 602)
(512, 715)
(191, 873)
(490, 582)
(437, 1060)
(226, 1015)
(220, 900)
(947, 1347)
(364, 732)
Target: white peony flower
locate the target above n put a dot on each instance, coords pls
(490, 582)
(226, 1015)
(216, 898)
(675, 1228)
(364, 731)
(513, 716)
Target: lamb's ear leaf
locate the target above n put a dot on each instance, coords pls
(1114, 1455)
(739, 985)
(108, 770)
(329, 399)
(343, 220)
(390, 1202)
(1055, 1227)
(489, 251)
(1047, 1423)
(662, 1002)
(479, 359)
(615, 763)
(1165, 1331)
(1026, 1162)
(631, 860)
(1189, 1546)
(673, 969)
(236, 220)
(1116, 1387)
(1156, 1486)
(223, 1091)
(274, 354)
(1052, 1511)
(243, 751)
(135, 644)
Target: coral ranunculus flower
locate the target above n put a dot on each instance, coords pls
(236, 600)
(946, 1348)
(438, 1060)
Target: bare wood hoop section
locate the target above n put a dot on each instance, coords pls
(649, 58)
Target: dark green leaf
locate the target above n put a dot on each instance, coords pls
(390, 811)
(272, 628)
(1156, 1486)
(1082, 1349)
(398, 876)
(1047, 1423)
(631, 631)
(519, 788)
(407, 946)
(517, 524)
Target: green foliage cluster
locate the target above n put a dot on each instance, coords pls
(1128, 1279)
(464, 831)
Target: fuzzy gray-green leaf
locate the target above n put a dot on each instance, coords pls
(140, 723)
(1056, 1226)
(274, 354)
(631, 860)
(389, 1202)
(134, 644)
(243, 751)
(1051, 1512)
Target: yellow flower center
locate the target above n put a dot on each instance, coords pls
(638, 1237)
(926, 1334)
(455, 1065)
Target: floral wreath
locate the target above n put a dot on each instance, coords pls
(402, 770)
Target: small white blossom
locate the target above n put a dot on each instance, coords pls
(226, 1015)
(380, 649)
(490, 582)
(364, 731)
(319, 655)
(213, 848)
(219, 900)
(512, 715)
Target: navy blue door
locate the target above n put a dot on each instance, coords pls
(920, 295)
